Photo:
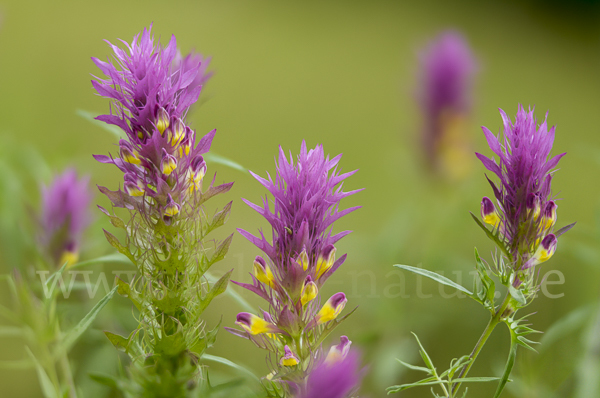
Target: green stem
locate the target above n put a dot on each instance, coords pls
(509, 364)
(68, 375)
(494, 321)
(442, 384)
(65, 368)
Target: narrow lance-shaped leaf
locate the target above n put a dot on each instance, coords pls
(109, 258)
(48, 388)
(424, 354)
(91, 117)
(231, 292)
(220, 252)
(413, 367)
(56, 274)
(564, 229)
(219, 218)
(212, 157)
(218, 288)
(436, 277)
(72, 335)
(227, 362)
(476, 379)
(430, 381)
(493, 237)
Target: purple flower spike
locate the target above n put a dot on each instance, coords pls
(447, 68)
(525, 172)
(64, 216)
(153, 88)
(338, 379)
(306, 194)
(151, 84)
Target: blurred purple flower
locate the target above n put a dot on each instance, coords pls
(525, 174)
(447, 67)
(64, 215)
(335, 379)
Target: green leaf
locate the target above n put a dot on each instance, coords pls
(231, 292)
(109, 258)
(522, 341)
(212, 157)
(487, 289)
(72, 335)
(413, 367)
(455, 365)
(124, 289)
(436, 277)
(424, 354)
(219, 218)
(125, 344)
(218, 288)
(517, 294)
(564, 229)
(476, 379)
(220, 251)
(119, 342)
(431, 381)
(56, 274)
(111, 128)
(114, 242)
(48, 388)
(493, 237)
(233, 365)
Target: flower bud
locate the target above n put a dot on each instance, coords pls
(70, 255)
(325, 260)
(289, 359)
(255, 325)
(168, 163)
(185, 147)
(309, 291)
(545, 250)
(128, 153)
(133, 185)
(549, 216)
(489, 213)
(196, 173)
(172, 208)
(178, 130)
(162, 120)
(533, 204)
(263, 273)
(332, 308)
(338, 352)
(303, 260)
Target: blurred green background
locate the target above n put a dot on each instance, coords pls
(340, 73)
